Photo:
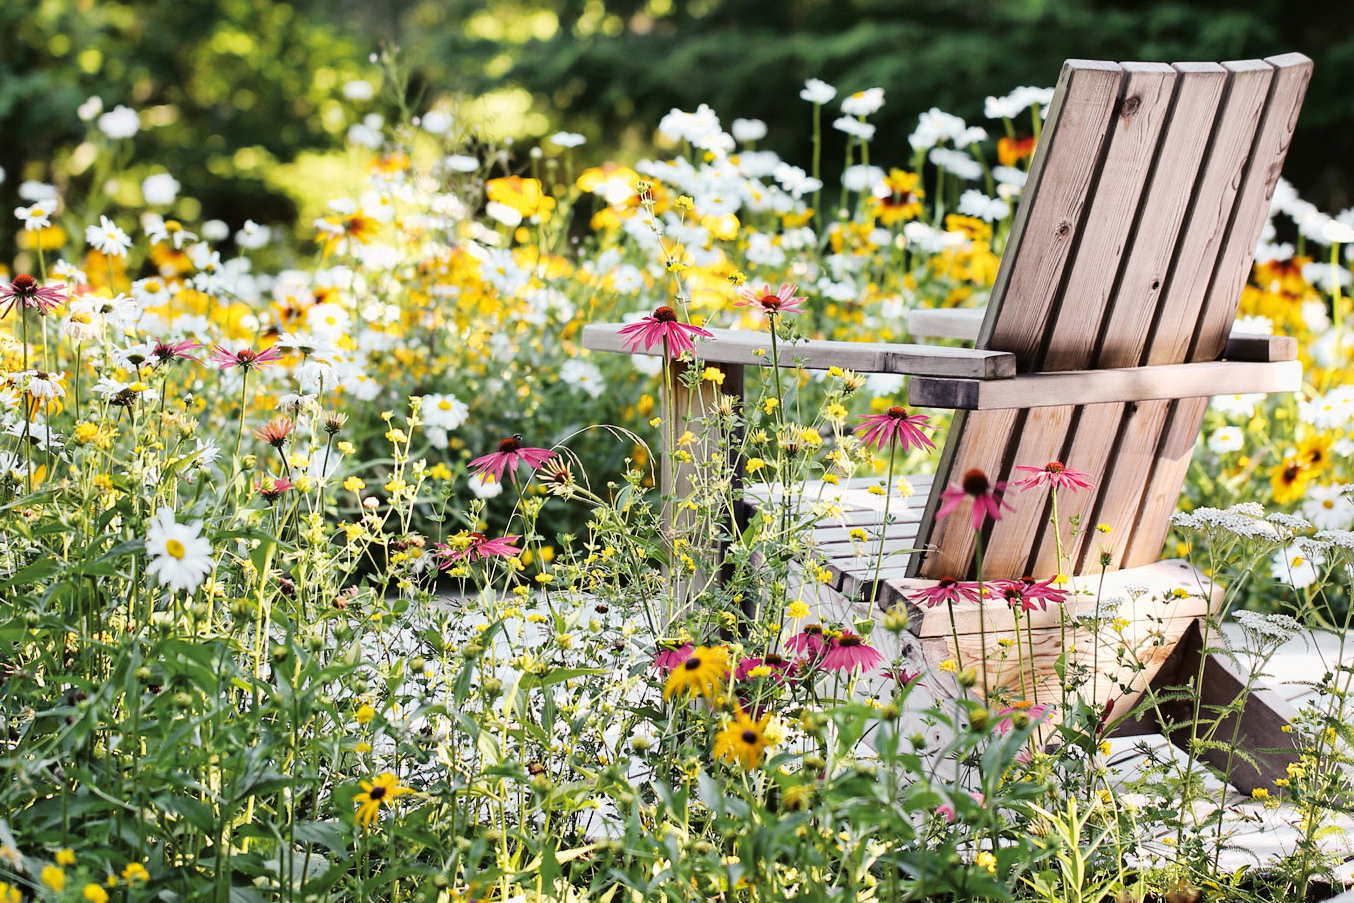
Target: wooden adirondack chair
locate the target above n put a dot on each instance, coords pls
(1107, 330)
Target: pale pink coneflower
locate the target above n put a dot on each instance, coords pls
(1055, 474)
(987, 497)
(894, 427)
(782, 301)
(661, 327)
(510, 453)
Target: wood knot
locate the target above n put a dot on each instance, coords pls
(1130, 106)
(1064, 229)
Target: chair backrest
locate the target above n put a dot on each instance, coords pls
(1145, 200)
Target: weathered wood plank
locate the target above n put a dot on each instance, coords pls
(1167, 381)
(1165, 208)
(978, 440)
(1292, 72)
(1213, 200)
(963, 323)
(1048, 222)
(1073, 327)
(1011, 540)
(1092, 435)
(1162, 494)
(1120, 493)
(737, 346)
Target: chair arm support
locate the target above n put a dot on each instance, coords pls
(739, 346)
(964, 323)
(1077, 387)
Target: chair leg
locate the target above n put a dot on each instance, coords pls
(1257, 727)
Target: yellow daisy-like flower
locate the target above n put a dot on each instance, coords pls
(1289, 480)
(701, 674)
(797, 609)
(743, 740)
(95, 894)
(375, 794)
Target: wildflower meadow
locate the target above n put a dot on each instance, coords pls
(334, 567)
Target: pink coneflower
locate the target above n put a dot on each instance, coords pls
(778, 664)
(667, 659)
(480, 547)
(245, 359)
(902, 675)
(273, 488)
(809, 640)
(777, 302)
(168, 352)
(895, 427)
(510, 453)
(24, 291)
(662, 326)
(275, 433)
(947, 591)
(1056, 474)
(1029, 594)
(986, 496)
(1035, 712)
(848, 652)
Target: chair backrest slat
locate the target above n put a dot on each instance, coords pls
(1043, 236)
(1292, 73)
(1143, 207)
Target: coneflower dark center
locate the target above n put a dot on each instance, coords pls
(24, 284)
(692, 663)
(665, 315)
(1055, 467)
(511, 444)
(975, 483)
(897, 413)
(377, 793)
(749, 737)
(849, 641)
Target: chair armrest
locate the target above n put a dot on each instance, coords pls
(964, 323)
(1077, 387)
(739, 346)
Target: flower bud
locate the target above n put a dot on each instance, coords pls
(968, 677)
(978, 719)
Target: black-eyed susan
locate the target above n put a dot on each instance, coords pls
(743, 740)
(375, 794)
(1289, 480)
(700, 674)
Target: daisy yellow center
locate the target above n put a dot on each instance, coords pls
(175, 549)
(444, 405)
(1327, 503)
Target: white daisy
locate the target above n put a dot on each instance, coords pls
(180, 556)
(444, 411)
(1328, 508)
(108, 238)
(1296, 566)
(816, 91)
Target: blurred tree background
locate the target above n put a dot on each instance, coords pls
(242, 100)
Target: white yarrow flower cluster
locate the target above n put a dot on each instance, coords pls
(1246, 521)
(1270, 627)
